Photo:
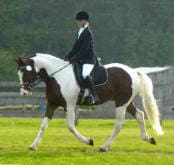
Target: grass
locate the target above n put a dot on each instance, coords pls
(58, 145)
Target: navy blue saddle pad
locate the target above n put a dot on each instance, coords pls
(99, 75)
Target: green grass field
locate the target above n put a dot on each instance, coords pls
(60, 147)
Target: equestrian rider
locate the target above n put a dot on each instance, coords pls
(83, 53)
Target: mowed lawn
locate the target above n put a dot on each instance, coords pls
(60, 147)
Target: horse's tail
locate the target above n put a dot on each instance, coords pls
(149, 102)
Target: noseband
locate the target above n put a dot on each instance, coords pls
(32, 84)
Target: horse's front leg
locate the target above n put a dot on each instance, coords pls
(48, 116)
(70, 116)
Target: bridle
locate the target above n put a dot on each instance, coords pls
(39, 79)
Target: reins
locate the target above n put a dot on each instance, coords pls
(39, 80)
(52, 74)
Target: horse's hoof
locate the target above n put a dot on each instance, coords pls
(152, 141)
(102, 150)
(32, 148)
(91, 142)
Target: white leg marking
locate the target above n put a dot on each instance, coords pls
(40, 133)
(120, 115)
(140, 120)
(70, 115)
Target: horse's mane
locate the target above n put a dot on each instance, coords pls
(49, 57)
(45, 60)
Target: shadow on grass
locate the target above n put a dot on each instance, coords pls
(51, 152)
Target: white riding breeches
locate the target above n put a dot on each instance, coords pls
(86, 70)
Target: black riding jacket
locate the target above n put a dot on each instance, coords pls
(82, 51)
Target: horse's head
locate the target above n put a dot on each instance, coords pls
(27, 75)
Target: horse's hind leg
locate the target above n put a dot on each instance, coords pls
(120, 115)
(139, 115)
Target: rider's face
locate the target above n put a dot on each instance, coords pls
(81, 23)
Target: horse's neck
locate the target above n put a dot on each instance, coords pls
(65, 77)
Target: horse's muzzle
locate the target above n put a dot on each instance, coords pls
(24, 92)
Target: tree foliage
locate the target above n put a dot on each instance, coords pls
(137, 32)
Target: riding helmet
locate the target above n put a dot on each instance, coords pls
(82, 15)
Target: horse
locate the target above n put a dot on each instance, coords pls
(62, 89)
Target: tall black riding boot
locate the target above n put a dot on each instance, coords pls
(90, 84)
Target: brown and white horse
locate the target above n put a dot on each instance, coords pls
(124, 83)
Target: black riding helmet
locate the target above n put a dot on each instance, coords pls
(82, 15)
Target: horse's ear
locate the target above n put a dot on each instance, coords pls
(19, 61)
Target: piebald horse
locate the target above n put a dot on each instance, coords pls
(123, 84)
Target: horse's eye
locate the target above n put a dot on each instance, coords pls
(28, 68)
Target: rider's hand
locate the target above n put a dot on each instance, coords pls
(73, 60)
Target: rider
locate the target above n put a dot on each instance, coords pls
(83, 53)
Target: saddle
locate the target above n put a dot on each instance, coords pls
(99, 75)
